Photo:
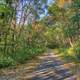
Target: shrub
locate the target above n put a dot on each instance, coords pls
(72, 53)
(77, 51)
(6, 61)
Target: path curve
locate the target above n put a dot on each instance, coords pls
(51, 67)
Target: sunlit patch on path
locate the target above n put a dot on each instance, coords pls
(50, 67)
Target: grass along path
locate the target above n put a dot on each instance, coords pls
(49, 66)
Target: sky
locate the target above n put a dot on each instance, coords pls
(41, 15)
(49, 3)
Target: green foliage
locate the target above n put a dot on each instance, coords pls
(77, 51)
(68, 21)
(54, 36)
(70, 31)
(20, 42)
(27, 46)
(6, 61)
(72, 54)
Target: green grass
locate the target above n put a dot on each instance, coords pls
(21, 56)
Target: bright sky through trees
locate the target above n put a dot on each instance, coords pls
(41, 15)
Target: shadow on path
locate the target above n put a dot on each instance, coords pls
(51, 67)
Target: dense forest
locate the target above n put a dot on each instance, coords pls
(30, 27)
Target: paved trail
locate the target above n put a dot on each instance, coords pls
(51, 67)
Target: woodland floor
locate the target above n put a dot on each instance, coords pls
(49, 66)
